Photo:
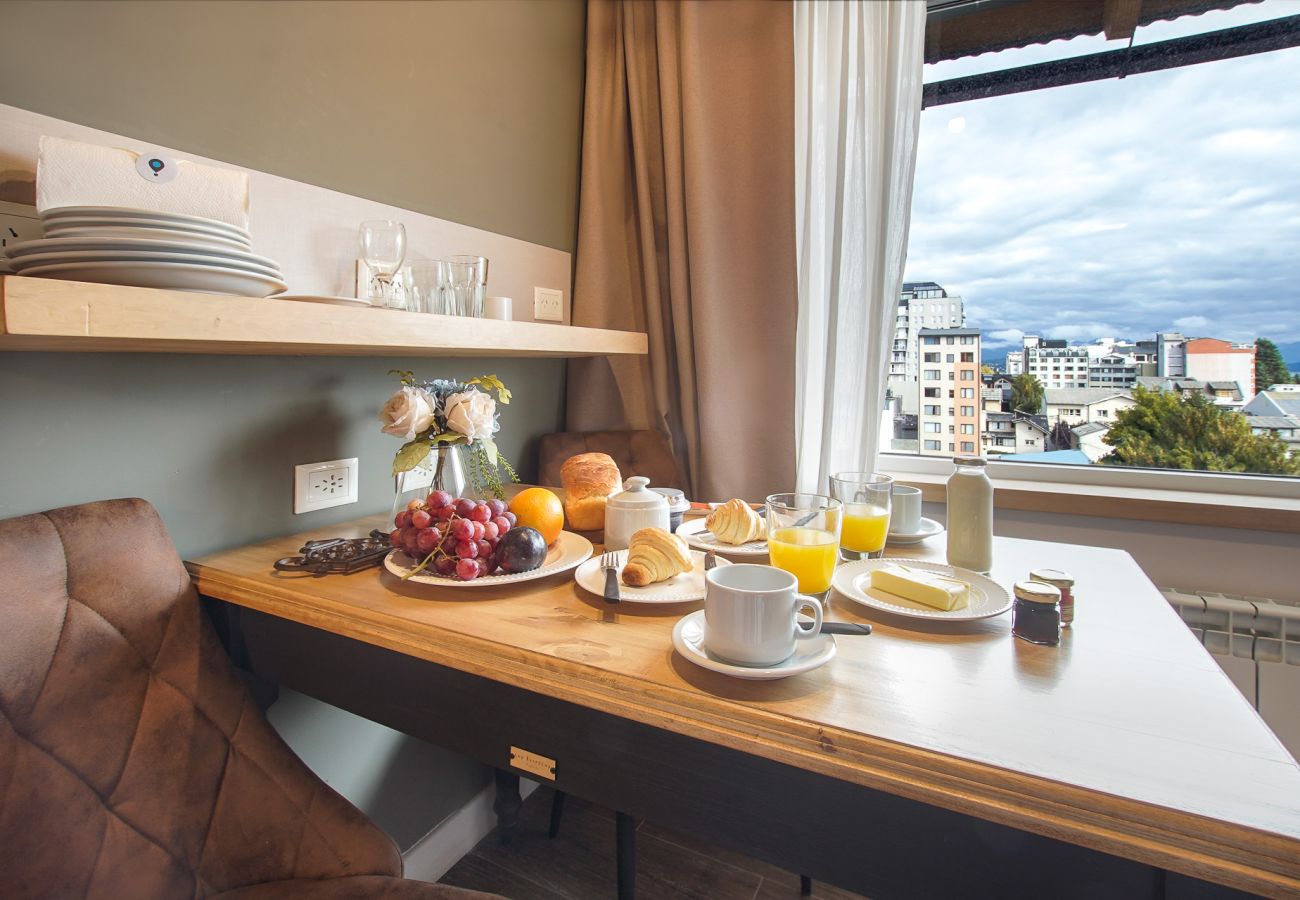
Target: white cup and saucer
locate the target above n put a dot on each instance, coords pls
(750, 625)
(906, 524)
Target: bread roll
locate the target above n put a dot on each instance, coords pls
(588, 480)
(736, 522)
(655, 555)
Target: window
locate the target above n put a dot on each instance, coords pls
(931, 375)
(968, 393)
(931, 428)
(968, 410)
(951, 430)
(929, 339)
(967, 429)
(967, 374)
(951, 357)
(968, 357)
(931, 392)
(1103, 414)
(948, 341)
(951, 447)
(930, 357)
(967, 447)
(933, 445)
(930, 409)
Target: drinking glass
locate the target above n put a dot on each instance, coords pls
(803, 538)
(383, 249)
(465, 285)
(867, 502)
(425, 290)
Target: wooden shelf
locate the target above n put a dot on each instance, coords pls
(45, 314)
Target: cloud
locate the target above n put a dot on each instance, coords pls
(1163, 201)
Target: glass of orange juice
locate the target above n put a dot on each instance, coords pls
(866, 497)
(803, 537)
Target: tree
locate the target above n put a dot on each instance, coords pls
(1059, 438)
(1164, 431)
(1026, 394)
(1270, 368)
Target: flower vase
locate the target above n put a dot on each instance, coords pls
(442, 470)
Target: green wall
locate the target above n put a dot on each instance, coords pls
(469, 111)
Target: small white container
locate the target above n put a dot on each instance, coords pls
(635, 508)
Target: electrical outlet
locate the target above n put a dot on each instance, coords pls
(548, 305)
(324, 484)
(18, 223)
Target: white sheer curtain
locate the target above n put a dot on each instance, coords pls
(857, 112)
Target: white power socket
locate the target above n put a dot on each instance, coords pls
(548, 305)
(324, 484)
(18, 223)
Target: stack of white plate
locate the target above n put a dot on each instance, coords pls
(146, 248)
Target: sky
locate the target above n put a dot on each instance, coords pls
(1162, 201)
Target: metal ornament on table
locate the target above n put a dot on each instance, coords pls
(442, 470)
(337, 556)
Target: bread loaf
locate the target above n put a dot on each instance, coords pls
(588, 480)
(654, 555)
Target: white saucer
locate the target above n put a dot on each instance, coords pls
(696, 533)
(323, 298)
(688, 640)
(929, 528)
(681, 588)
(987, 597)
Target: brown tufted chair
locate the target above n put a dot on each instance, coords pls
(636, 452)
(133, 762)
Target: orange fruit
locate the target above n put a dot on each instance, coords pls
(539, 508)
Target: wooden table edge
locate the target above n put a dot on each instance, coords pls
(1190, 844)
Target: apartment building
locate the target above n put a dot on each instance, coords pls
(1057, 365)
(1075, 406)
(1213, 360)
(1171, 357)
(949, 419)
(921, 304)
(1113, 370)
(1013, 432)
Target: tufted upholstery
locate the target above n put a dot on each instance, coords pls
(133, 762)
(636, 452)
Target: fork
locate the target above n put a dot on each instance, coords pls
(609, 562)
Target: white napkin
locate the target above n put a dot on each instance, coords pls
(72, 173)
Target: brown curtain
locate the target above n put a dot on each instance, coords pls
(686, 232)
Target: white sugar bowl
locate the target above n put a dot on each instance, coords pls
(635, 508)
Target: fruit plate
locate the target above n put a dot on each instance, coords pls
(696, 533)
(987, 597)
(681, 588)
(568, 551)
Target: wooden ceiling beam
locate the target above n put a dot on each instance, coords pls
(1119, 18)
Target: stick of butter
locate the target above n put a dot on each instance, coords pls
(921, 586)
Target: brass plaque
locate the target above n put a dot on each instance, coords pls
(533, 763)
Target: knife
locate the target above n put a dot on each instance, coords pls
(845, 628)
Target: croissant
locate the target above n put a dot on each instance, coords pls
(736, 522)
(655, 555)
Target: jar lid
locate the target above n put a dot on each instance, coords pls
(969, 461)
(676, 499)
(1037, 592)
(1054, 577)
(636, 496)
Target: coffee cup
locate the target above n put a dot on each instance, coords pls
(751, 614)
(905, 518)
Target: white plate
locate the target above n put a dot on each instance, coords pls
(688, 640)
(132, 245)
(150, 233)
(122, 214)
(56, 227)
(335, 301)
(929, 528)
(32, 260)
(678, 589)
(166, 275)
(697, 534)
(987, 597)
(569, 550)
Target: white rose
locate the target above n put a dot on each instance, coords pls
(472, 413)
(407, 413)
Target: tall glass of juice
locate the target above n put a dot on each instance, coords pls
(866, 498)
(803, 537)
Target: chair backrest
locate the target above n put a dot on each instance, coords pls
(636, 453)
(133, 762)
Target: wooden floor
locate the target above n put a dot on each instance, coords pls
(579, 863)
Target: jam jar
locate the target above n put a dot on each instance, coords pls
(1036, 616)
(1062, 581)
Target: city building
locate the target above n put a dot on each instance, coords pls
(1171, 360)
(1213, 360)
(1113, 370)
(1089, 438)
(1056, 364)
(1225, 394)
(1285, 427)
(1015, 363)
(1075, 406)
(921, 304)
(1013, 432)
(949, 418)
(1279, 400)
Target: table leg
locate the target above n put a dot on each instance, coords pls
(626, 841)
(507, 804)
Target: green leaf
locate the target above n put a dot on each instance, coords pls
(411, 455)
(447, 437)
(490, 450)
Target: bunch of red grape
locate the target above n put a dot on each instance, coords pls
(456, 537)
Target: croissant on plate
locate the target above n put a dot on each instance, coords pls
(654, 555)
(736, 522)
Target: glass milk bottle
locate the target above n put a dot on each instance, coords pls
(970, 515)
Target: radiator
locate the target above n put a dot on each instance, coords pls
(1257, 642)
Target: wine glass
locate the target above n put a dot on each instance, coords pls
(383, 249)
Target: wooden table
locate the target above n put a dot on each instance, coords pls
(927, 759)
